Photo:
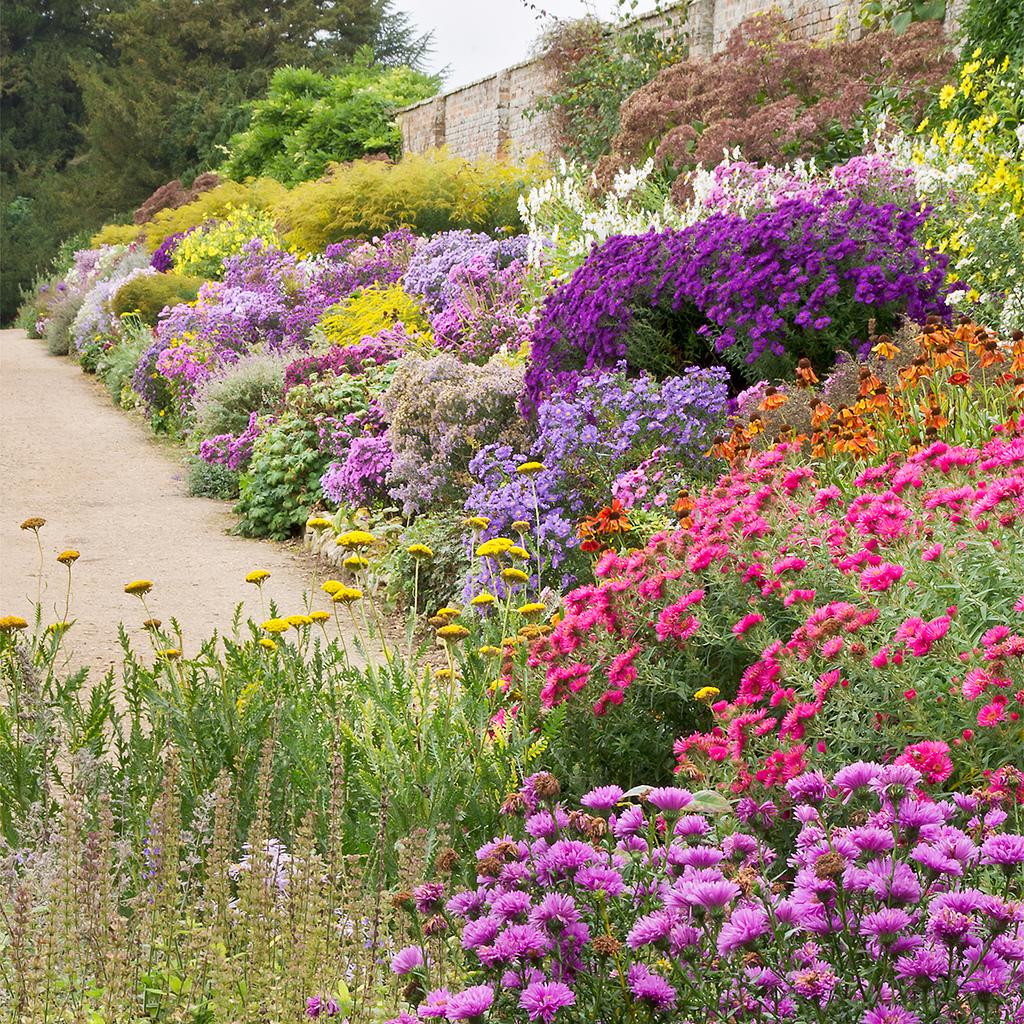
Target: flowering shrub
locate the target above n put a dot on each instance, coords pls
(589, 442)
(385, 347)
(202, 252)
(434, 260)
(362, 477)
(371, 311)
(440, 411)
(831, 626)
(799, 280)
(884, 908)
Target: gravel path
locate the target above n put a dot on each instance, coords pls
(109, 489)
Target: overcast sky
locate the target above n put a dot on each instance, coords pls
(475, 38)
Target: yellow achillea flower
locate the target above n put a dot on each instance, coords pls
(511, 641)
(495, 546)
(346, 595)
(138, 587)
(447, 612)
(33, 523)
(517, 552)
(298, 621)
(483, 599)
(355, 562)
(257, 577)
(356, 539)
(521, 526)
(58, 627)
(420, 551)
(706, 693)
(330, 587)
(477, 522)
(276, 626)
(489, 651)
(511, 575)
(69, 557)
(453, 632)
(320, 616)
(267, 644)
(443, 675)
(530, 468)
(319, 523)
(169, 654)
(531, 609)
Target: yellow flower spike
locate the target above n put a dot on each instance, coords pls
(530, 468)
(356, 539)
(489, 651)
(69, 557)
(452, 633)
(521, 526)
(517, 552)
(276, 626)
(267, 644)
(319, 523)
(494, 547)
(33, 523)
(477, 522)
(346, 595)
(138, 588)
(320, 617)
(169, 654)
(483, 600)
(9, 623)
(531, 610)
(511, 575)
(447, 612)
(257, 577)
(707, 693)
(355, 562)
(331, 587)
(420, 551)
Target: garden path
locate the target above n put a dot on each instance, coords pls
(111, 490)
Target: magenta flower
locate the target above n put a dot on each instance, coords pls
(542, 1000)
(744, 927)
(669, 799)
(651, 988)
(407, 960)
(471, 1003)
(602, 799)
(1006, 851)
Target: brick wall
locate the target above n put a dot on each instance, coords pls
(490, 117)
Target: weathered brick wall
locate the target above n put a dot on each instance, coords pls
(490, 117)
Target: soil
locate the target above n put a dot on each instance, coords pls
(111, 490)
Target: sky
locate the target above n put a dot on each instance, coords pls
(475, 38)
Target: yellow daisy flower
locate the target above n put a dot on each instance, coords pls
(320, 616)
(531, 609)
(494, 547)
(530, 468)
(346, 595)
(511, 575)
(331, 587)
(319, 523)
(483, 599)
(276, 626)
(453, 632)
(257, 576)
(707, 693)
(356, 539)
(138, 587)
(420, 551)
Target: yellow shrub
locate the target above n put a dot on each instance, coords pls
(115, 234)
(202, 253)
(259, 194)
(371, 311)
(429, 193)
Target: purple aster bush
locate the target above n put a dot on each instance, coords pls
(162, 259)
(429, 271)
(801, 279)
(373, 350)
(361, 477)
(876, 906)
(592, 443)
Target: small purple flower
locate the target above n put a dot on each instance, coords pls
(652, 929)
(407, 960)
(1006, 851)
(603, 798)
(855, 776)
(325, 1006)
(890, 1015)
(886, 924)
(600, 878)
(745, 926)
(542, 1000)
(471, 1003)
(435, 1005)
(511, 906)
(651, 988)
(669, 799)
(427, 897)
(555, 912)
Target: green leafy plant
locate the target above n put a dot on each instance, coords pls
(148, 294)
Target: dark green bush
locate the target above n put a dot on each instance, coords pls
(148, 294)
(206, 480)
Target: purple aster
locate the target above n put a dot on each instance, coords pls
(893, 882)
(603, 798)
(403, 1018)
(651, 929)
(872, 839)
(691, 827)
(651, 988)
(855, 776)
(629, 822)
(519, 942)
(480, 932)
(745, 925)
(814, 981)
(669, 799)
(950, 927)
(1006, 851)
(895, 779)
(427, 897)
(885, 924)
(809, 788)
(890, 1015)
(435, 1005)
(924, 966)
(470, 1003)
(555, 912)
(544, 824)
(543, 999)
(600, 878)
(317, 1006)
(711, 895)
(464, 904)
(565, 858)
(695, 856)
(407, 960)
(511, 906)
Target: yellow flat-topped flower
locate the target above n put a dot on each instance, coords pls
(267, 644)
(355, 562)
(530, 468)
(138, 587)
(298, 621)
(169, 654)
(483, 599)
(494, 547)
(707, 693)
(511, 575)
(151, 624)
(330, 587)
(447, 612)
(320, 616)
(346, 595)
(9, 623)
(517, 552)
(521, 526)
(69, 557)
(33, 523)
(489, 651)
(58, 627)
(356, 539)
(257, 576)
(477, 522)
(276, 626)
(420, 551)
(319, 523)
(453, 632)
(531, 609)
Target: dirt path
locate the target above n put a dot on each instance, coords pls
(107, 488)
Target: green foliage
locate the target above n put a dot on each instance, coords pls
(209, 480)
(116, 365)
(58, 326)
(428, 193)
(438, 580)
(995, 25)
(598, 65)
(254, 383)
(308, 120)
(899, 15)
(148, 294)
